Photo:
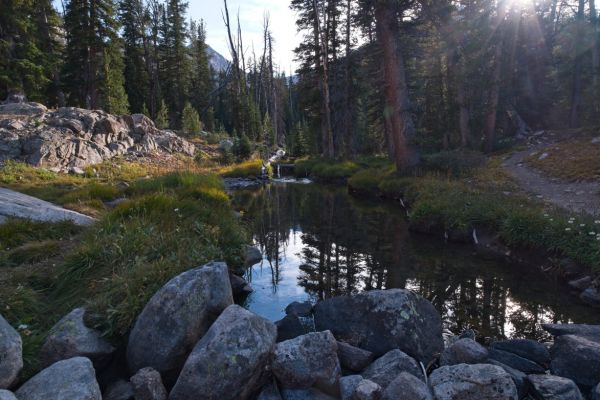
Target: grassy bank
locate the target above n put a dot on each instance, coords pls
(168, 224)
(453, 198)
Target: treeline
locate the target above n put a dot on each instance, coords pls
(391, 76)
(141, 56)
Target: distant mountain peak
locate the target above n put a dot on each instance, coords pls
(216, 60)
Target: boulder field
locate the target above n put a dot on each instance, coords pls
(69, 139)
(191, 342)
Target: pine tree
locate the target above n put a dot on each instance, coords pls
(190, 121)
(201, 80)
(162, 117)
(112, 88)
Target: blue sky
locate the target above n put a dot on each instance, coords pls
(251, 13)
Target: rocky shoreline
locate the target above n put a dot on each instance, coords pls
(192, 342)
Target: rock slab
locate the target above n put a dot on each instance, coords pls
(577, 358)
(472, 382)
(230, 360)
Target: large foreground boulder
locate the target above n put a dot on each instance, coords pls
(11, 354)
(72, 379)
(230, 361)
(382, 320)
(176, 317)
(472, 382)
(70, 337)
(308, 361)
(577, 358)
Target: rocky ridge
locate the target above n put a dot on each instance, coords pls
(69, 139)
(192, 342)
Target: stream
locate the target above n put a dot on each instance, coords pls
(320, 242)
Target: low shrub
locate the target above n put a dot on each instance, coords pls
(16, 232)
(454, 162)
(250, 168)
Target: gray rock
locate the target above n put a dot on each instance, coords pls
(11, 350)
(526, 348)
(548, 387)
(176, 317)
(19, 205)
(382, 320)
(72, 379)
(581, 283)
(518, 377)
(120, 390)
(591, 331)
(387, 367)
(292, 326)
(230, 360)
(239, 287)
(303, 309)
(308, 361)
(269, 392)
(354, 358)
(348, 385)
(147, 385)
(6, 395)
(367, 390)
(595, 393)
(22, 108)
(253, 256)
(464, 351)
(516, 362)
(576, 358)
(591, 296)
(472, 382)
(305, 394)
(407, 387)
(70, 337)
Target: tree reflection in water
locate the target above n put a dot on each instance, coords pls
(320, 242)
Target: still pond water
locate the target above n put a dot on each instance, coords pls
(320, 242)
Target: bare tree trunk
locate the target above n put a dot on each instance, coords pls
(595, 57)
(397, 105)
(347, 131)
(578, 56)
(321, 42)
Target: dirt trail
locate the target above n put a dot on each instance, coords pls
(581, 197)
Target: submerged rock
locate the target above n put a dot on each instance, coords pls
(387, 367)
(464, 351)
(382, 320)
(407, 387)
(230, 360)
(11, 354)
(176, 317)
(548, 387)
(577, 358)
(72, 379)
(70, 337)
(308, 361)
(472, 382)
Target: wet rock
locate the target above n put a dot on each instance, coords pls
(353, 358)
(292, 326)
(367, 390)
(308, 361)
(11, 351)
(591, 331)
(305, 394)
(70, 337)
(239, 287)
(253, 256)
(269, 392)
(230, 360)
(64, 380)
(591, 296)
(576, 358)
(472, 382)
(516, 362)
(120, 390)
(6, 395)
(407, 387)
(382, 320)
(526, 348)
(548, 387)
(303, 309)
(387, 367)
(147, 385)
(581, 283)
(464, 351)
(176, 317)
(518, 377)
(348, 385)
